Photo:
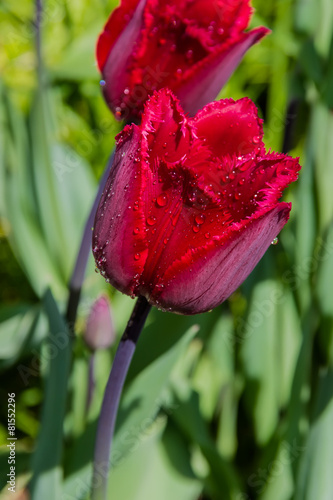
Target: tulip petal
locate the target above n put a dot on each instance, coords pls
(230, 127)
(114, 66)
(119, 237)
(116, 23)
(205, 80)
(205, 277)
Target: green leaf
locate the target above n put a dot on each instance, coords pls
(21, 332)
(324, 260)
(78, 62)
(140, 404)
(260, 362)
(21, 211)
(64, 184)
(322, 131)
(315, 479)
(143, 397)
(311, 62)
(279, 483)
(47, 477)
(223, 476)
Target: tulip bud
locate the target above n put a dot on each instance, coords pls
(190, 205)
(190, 47)
(100, 332)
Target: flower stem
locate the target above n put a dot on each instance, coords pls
(111, 399)
(91, 381)
(77, 277)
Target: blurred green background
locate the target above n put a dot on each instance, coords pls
(234, 404)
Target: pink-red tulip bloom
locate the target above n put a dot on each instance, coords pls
(191, 205)
(189, 46)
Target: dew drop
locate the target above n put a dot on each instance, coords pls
(207, 236)
(137, 256)
(151, 221)
(256, 139)
(126, 91)
(196, 229)
(200, 219)
(102, 83)
(136, 230)
(275, 241)
(162, 200)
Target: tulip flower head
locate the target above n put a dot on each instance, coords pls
(190, 205)
(189, 46)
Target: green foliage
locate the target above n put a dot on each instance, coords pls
(233, 404)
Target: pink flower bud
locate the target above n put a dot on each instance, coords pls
(100, 333)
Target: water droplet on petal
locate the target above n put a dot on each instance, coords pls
(136, 230)
(200, 219)
(162, 200)
(102, 83)
(256, 139)
(151, 221)
(275, 241)
(126, 91)
(196, 229)
(137, 256)
(207, 236)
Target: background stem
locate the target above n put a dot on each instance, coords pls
(107, 420)
(77, 278)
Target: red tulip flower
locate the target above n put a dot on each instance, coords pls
(191, 205)
(189, 46)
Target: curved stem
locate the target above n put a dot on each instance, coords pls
(77, 277)
(91, 380)
(111, 399)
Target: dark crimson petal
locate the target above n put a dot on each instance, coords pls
(116, 23)
(230, 128)
(204, 80)
(243, 186)
(204, 277)
(166, 139)
(167, 135)
(115, 67)
(222, 18)
(119, 236)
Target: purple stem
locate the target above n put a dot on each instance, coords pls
(91, 380)
(79, 271)
(107, 419)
